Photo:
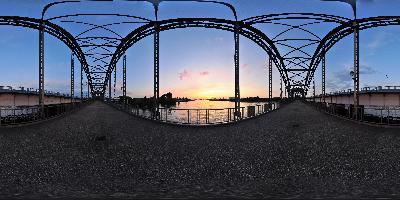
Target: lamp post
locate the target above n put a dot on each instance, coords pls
(356, 70)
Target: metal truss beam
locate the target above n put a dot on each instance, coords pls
(323, 76)
(356, 76)
(245, 30)
(81, 83)
(115, 79)
(156, 71)
(72, 77)
(238, 115)
(124, 79)
(270, 78)
(45, 26)
(41, 69)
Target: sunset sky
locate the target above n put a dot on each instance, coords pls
(198, 62)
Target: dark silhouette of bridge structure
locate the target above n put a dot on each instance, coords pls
(98, 55)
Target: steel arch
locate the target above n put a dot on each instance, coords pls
(222, 24)
(343, 31)
(52, 29)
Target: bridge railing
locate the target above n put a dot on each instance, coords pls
(27, 114)
(196, 116)
(380, 115)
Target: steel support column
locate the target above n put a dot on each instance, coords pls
(124, 79)
(314, 89)
(72, 77)
(115, 78)
(323, 75)
(156, 71)
(286, 95)
(281, 94)
(81, 83)
(88, 89)
(41, 69)
(270, 78)
(237, 114)
(356, 77)
(109, 86)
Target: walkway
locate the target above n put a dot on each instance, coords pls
(293, 152)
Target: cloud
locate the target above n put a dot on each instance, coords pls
(204, 73)
(246, 68)
(381, 39)
(341, 80)
(377, 41)
(367, 1)
(184, 75)
(367, 70)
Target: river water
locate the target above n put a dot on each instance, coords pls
(197, 113)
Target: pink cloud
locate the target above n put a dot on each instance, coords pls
(183, 75)
(205, 73)
(245, 66)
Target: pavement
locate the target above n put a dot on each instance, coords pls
(293, 152)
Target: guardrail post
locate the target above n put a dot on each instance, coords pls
(188, 117)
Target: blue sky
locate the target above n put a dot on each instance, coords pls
(198, 62)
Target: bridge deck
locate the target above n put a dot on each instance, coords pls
(295, 151)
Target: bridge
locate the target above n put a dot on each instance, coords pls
(98, 55)
(95, 144)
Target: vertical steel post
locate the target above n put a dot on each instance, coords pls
(109, 86)
(72, 77)
(81, 83)
(237, 115)
(356, 77)
(285, 92)
(115, 78)
(323, 75)
(88, 89)
(270, 78)
(281, 89)
(156, 71)
(124, 79)
(314, 89)
(41, 69)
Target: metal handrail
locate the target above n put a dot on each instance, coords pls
(25, 114)
(194, 116)
(384, 115)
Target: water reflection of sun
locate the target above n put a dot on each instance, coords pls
(212, 93)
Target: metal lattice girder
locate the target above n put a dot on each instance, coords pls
(237, 74)
(356, 69)
(281, 91)
(109, 87)
(124, 79)
(41, 69)
(115, 78)
(270, 78)
(72, 77)
(156, 71)
(323, 75)
(245, 30)
(345, 30)
(82, 83)
(298, 56)
(45, 26)
(121, 44)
